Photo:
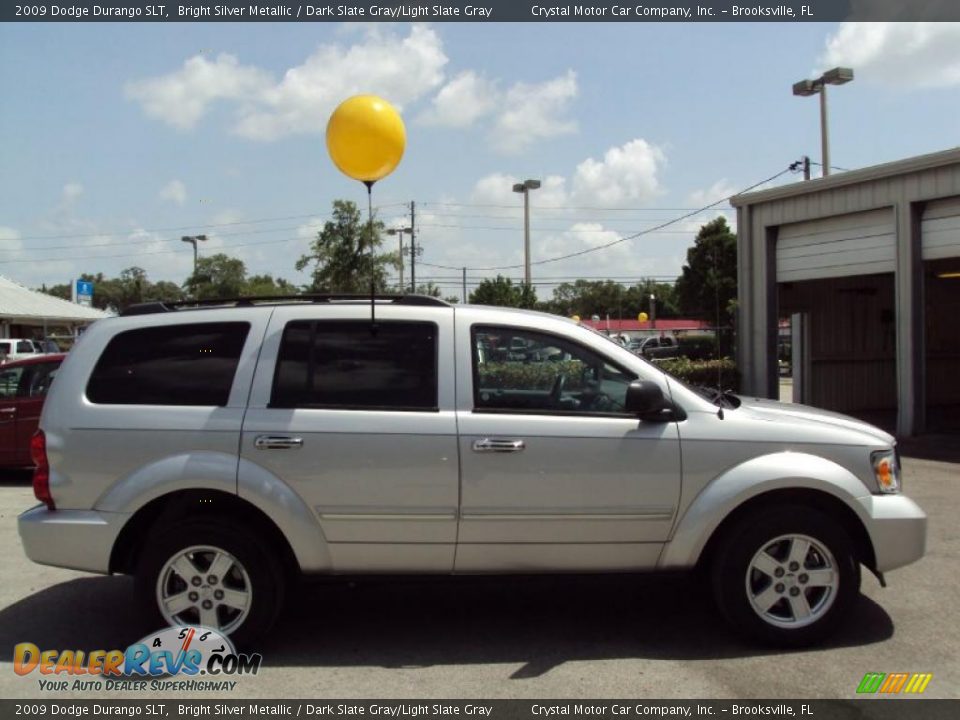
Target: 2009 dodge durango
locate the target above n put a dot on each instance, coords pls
(216, 452)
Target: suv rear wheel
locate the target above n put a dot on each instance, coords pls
(787, 576)
(207, 572)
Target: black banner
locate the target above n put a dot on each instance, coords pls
(481, 11)
(876, 709)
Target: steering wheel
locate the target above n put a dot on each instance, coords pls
(557, 390)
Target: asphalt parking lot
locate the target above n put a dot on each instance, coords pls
(614, 637)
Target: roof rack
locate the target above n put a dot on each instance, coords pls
(150, 308)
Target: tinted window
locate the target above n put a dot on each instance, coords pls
(41, 379)
(526, 371)
(24, 346)
(10, 381)
(171, 365)
(330, 364)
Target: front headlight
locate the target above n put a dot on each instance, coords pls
(886, 470)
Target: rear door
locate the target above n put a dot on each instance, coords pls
(358, 419)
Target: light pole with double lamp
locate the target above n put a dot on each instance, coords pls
(193, 240)
(525, 187)
(805, 88)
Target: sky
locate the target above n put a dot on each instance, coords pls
(120, 138)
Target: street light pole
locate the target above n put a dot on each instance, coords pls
(525, 187)
(193, 240)
(805, 88)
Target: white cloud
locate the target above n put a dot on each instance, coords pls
(462, 101)
(71, 192)
(182, 98)
(908, 54)
(534, 112)
(627, 174)
(401, 69)
(174, 191)
(720, 190)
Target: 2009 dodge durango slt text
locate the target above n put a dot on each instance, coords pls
(193, 447)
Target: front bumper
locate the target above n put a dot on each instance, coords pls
(75, 539)
(897, 528)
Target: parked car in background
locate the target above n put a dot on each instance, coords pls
(12, 349)
(23, 387)
(694, 347)
(659, 347)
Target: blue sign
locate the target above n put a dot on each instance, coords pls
(83, 293)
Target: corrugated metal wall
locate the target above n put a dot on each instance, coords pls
(852, 341)
(941, 229)
(854, 244)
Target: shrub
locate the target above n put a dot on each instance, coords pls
(703, 372)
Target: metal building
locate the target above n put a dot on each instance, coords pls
(867, 265)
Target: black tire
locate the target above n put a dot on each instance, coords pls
(252, 565)
(777, 531)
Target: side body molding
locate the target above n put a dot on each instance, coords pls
(781, 470)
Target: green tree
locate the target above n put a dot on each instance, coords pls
(258, 285)
(217, 276)
(503, 293)
(164, 291)
(708, 286)
(606, 297)
(344, 255)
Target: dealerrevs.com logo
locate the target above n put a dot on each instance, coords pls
(189, 651)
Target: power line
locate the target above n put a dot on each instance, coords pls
(622, 239)
(139, 254)
(557, 207)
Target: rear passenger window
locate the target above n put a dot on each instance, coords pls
(169, 365)
(343, 364)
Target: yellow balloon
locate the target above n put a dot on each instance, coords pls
(642, 317)
(366, 138)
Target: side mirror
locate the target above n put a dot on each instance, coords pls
(645, 398)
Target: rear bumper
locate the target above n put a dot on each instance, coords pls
(897, 528)
(75, 539)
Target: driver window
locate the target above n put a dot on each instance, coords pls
(526, 371)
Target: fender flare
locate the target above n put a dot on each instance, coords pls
(757, 476)
(220, 472)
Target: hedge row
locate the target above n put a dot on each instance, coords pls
(542, 375)
(704, 372)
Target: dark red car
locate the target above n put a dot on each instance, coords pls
(23, 386)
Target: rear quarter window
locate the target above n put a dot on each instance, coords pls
(192, 364)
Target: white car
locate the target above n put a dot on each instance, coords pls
(18, 349)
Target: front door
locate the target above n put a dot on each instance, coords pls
(555, 475)
(9, 407)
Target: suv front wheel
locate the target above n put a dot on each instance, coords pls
(787, 576)
(207, 572)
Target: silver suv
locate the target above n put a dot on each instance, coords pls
(218, 453)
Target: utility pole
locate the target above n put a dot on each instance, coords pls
(413, 246)
(464, 286)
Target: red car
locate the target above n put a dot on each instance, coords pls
(23, 386)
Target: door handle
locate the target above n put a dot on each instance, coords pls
(498, 446)
(8, 411)
(277, 442)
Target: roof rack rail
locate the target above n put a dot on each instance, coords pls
(149, 308)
